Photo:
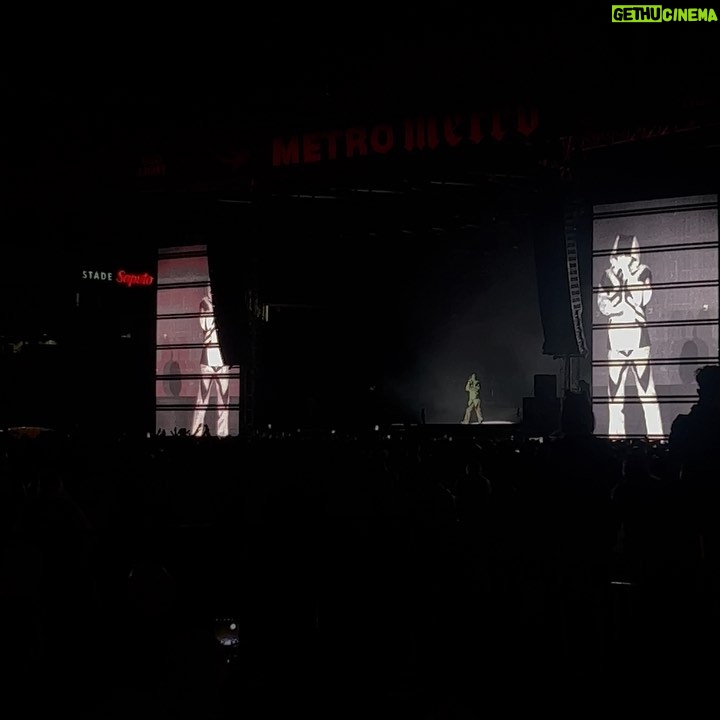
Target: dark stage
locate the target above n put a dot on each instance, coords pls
(373, 232)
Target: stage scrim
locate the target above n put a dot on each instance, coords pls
(655, 310)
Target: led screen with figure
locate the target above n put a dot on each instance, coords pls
(655, 272)
(196, 391)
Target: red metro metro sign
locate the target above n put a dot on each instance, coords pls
(417, 134)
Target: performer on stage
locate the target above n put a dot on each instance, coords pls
(472, 388)
(214, 374)
(626, 290)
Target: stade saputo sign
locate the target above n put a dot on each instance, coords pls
(120, 277)
(431, 132)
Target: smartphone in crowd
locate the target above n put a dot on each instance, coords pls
(227, 637)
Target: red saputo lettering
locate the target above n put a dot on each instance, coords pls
(130, 279)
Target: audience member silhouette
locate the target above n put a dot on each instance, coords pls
(579, 531)
(695, 448)
(693, 437)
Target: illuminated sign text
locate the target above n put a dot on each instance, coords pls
(130, 279)
(121, 277)
(97, 275)
(427, 133)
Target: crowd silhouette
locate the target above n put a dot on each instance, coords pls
(400, 573)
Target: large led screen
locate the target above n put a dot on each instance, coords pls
(655, 322)
(195, 391)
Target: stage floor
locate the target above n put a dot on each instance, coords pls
(489, 428)
(475, 424)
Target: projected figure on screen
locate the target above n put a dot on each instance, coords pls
(626, 290)
(214, 374)
(472, 388)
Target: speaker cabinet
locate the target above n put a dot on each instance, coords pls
(541, 416)
(545, 386)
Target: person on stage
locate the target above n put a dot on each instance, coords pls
(472, 388)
